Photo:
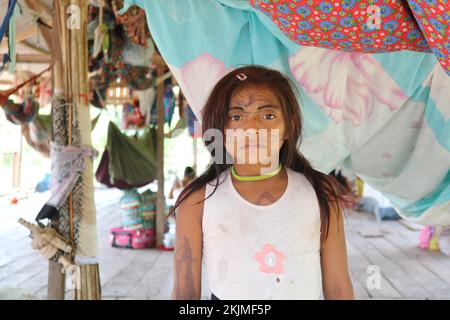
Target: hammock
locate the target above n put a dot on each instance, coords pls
(4, 94)
(37, 133)
(368, 106)
(18, 113)
(128, 162)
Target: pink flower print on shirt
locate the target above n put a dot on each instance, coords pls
(270, 260)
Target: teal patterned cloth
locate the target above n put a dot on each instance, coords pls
(383, 116)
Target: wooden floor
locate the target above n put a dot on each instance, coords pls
(405, 271)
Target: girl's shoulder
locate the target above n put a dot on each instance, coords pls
(300, 180)
(297, 176)
(193, 204)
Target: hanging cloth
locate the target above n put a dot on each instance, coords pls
(169, 104)
(191, 121)
(130, 161)
(4, 27)
(12, 41)
(376, 114)
(5, 22)
(68, 163)
(102, 175)
(365, 26)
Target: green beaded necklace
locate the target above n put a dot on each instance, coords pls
(255, 178)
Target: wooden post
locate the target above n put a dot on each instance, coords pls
(160, 202)
(56, 282)
(195, 150)
(17, 164)
(72, 126)
(56, 279)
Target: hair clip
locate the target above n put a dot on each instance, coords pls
(241, 76)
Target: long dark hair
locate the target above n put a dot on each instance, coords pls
(214, 116)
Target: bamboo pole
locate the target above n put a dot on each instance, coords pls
(56, 278)
(72, 126)
(160, 201)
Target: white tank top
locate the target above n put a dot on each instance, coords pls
(262, 252)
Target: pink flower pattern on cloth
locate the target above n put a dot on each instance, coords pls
(270, 259)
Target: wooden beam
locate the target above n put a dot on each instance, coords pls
(44, 9)
(39, 9)
(37, 6)
(34, 48)
(20, 36)
(160, 200)
(56, 282)
(32, 58)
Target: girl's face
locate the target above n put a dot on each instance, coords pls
(255, 129)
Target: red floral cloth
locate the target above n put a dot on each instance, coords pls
(366, 25)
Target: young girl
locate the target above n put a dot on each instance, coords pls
(263, 231)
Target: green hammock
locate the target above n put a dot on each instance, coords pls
(131, 159)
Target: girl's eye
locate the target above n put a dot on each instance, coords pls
(269, 116)
(235, 117)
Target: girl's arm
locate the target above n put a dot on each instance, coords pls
(188, 248)
(335, 276)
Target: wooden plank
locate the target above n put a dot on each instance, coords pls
(396, 276)
(359, 265)
(357, 268)
(151, 284)
(435, 262)
(393, 251)
(25, 273)
(165, 290)
(426, 280)
(56, 282)
(9, 255)
(32, 58)
(127, 278)
(36, 284)
(10, 268)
